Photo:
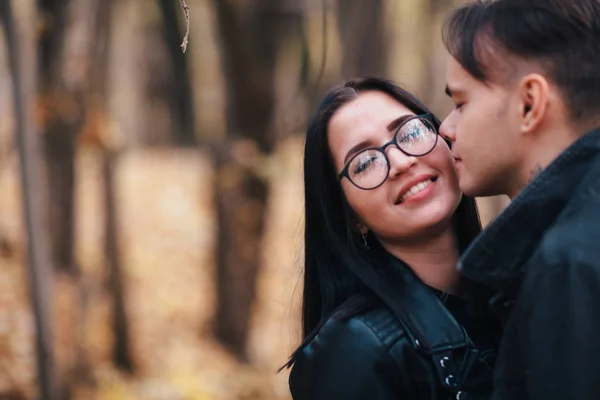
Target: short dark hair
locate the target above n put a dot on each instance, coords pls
(563, 36)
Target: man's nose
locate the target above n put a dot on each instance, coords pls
(448, 129)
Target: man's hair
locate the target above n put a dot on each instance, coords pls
(561, 36)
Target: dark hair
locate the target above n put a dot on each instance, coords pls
(337, 266)
(563, 36)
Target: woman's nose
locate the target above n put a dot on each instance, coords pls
(400, 163)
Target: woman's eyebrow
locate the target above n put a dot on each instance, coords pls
(354, 149)
(392, 126)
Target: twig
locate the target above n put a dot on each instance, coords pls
(186, 11)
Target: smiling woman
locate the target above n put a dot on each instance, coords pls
(414, 187)
(385, 312)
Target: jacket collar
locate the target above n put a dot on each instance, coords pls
(495, 258)
(427, 322)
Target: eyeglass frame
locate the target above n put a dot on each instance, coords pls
(428, 117)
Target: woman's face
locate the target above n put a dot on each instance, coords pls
(419, 195)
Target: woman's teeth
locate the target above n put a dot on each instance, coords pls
(416, 189)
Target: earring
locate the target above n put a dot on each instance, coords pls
(365, 240)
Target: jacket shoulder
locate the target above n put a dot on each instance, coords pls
(350, 358)
(382, 323)
(573, 239)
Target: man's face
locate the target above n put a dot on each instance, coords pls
(484, 139)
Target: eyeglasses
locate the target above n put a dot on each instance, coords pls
(369, 169)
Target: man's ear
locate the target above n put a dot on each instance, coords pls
(534, 96)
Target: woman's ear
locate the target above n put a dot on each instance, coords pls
(362, 228)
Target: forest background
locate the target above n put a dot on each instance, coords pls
(151, 200)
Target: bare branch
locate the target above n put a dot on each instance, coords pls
(186, 11)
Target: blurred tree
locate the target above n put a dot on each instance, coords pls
(251, 35)
(40, 276)
(61, 112)
(122, 357)
(65, 48)
(110, 146)
(72, 73)
(417, 55)
(363, 37)
(99, 133)
(183, 107)
(435, 77)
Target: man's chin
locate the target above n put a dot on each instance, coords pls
(469, 186)
(471, 193)
(475, 189)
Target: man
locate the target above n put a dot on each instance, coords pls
(525, 79)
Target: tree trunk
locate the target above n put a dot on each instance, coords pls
(249, 49)
(60, 155)
(436, 58)
(122, 357)
(363, 37)
(248, 46)
(183, 110)
(241, 200)
(98, 124)
(62, 115)
(40, 277)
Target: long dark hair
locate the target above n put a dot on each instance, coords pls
(337, 266)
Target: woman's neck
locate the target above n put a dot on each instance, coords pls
(434, 260)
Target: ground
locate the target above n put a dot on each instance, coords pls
(167, 230)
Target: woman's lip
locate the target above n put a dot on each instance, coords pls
(409, 184)
(422, 195)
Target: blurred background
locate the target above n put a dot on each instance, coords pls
(161, 192)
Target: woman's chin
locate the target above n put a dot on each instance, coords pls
(429, 218)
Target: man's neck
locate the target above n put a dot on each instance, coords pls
(543, 150)
(433, 260)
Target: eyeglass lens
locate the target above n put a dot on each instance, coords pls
(370, 168)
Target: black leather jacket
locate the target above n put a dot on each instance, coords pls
(424, 354)
(542, 255)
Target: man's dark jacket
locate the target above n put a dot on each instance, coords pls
(542, 255)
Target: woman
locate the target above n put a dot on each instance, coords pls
(385, 312)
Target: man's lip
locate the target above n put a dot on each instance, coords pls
(411, 183)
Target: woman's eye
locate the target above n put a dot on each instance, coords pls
(408, 137)
(458, 106)
(412, 136)
(364, 164)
